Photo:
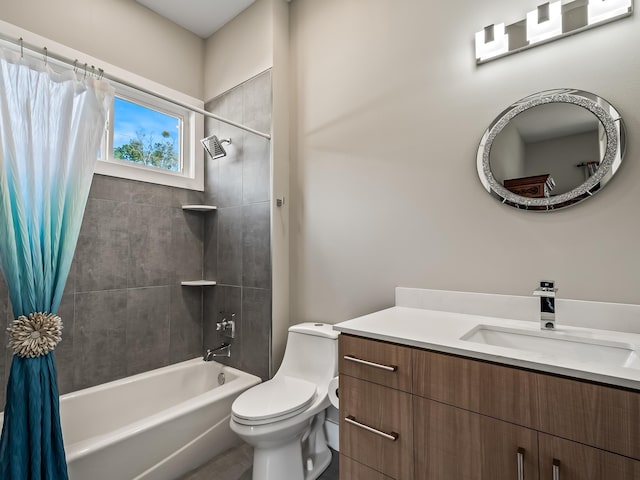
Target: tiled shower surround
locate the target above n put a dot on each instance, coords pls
(237, 252)
(124, 310)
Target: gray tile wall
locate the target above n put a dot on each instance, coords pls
(237, 244)
(124, 310)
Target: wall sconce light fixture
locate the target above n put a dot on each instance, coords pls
(549, 22)
(491, 42)
(544, 22)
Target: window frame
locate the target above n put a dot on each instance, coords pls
(191, 174)
(193, 177)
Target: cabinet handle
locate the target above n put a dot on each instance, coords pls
(388, 368)
(520, 459)
(393, 436)
(556, 469)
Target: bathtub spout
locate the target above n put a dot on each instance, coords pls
(223, 350)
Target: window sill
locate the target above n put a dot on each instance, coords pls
(133, 172)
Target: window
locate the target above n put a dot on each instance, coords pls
(146, 136)
(187, 168)
(152, 140)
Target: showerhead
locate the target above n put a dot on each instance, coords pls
(213, 146)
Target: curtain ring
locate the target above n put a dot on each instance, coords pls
(75, 66)
(101, 76)
(21, 48)
(93, 71)
(85, 72)
(46, 55)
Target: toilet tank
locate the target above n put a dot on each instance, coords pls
(311, 353)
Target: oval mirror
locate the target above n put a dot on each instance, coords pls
(551, 150)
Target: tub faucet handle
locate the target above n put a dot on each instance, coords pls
(227, 327)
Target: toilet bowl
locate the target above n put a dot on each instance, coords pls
(283, 418)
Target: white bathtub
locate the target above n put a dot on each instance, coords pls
(156, 425)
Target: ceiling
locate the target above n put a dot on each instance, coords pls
(202, 17)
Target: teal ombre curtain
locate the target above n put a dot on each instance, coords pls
(51, 125)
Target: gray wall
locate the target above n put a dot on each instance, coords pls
(389, 107)
(124, 310)
(508, 154)
(560, 157)
(237, 237)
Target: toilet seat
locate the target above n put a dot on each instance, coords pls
(274, 400)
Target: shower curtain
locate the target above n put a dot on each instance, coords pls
(51, 125)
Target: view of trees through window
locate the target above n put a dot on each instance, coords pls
(145, 136)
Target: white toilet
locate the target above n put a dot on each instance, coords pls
(282, 419)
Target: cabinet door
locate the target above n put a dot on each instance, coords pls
(580, 462)
(604, 417)
(455, 444)
(376, 427)
(497, 391)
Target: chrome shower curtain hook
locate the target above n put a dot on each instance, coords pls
(46, 55)
(93, 71)
(21, 48)
(101, 74)
(85, 71)
(75, 66)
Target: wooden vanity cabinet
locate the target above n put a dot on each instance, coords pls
(452, 443)
(455, 418)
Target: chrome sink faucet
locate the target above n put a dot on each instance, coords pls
(223, 350)
(547, 293)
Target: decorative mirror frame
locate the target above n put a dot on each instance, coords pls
(605, 113)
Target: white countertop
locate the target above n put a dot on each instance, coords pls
(442, 331)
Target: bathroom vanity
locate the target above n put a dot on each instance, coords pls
(419, 400)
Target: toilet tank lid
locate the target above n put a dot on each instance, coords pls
(315, 328)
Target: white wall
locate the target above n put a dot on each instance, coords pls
(389, 109)
(280, 216)
(240, 50)
(119, 32)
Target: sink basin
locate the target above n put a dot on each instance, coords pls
(558, 345)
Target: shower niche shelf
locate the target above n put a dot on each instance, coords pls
(200, 208)
(198, 283)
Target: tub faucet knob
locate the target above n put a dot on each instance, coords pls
(227, 327)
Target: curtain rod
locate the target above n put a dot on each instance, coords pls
(74, 63)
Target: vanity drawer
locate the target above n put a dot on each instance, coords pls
(379, 362)
(601, 416)
(352, 470)
(498, 391)
(376, 427)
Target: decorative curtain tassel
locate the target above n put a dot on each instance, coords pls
(35, 335)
